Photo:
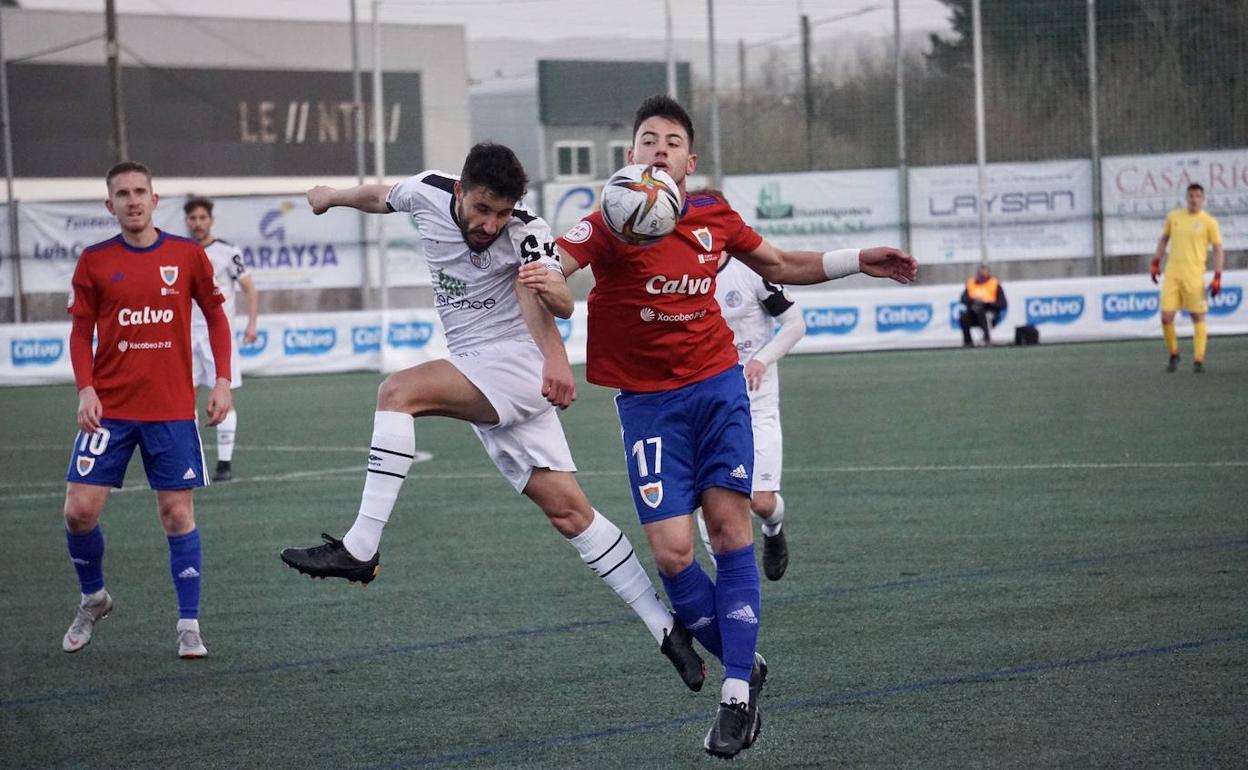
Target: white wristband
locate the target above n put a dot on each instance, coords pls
(840, 263)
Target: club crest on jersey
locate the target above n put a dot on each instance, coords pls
(169, 274)
(652, 494)
(85, 464)
(481, 260)
(703, 234)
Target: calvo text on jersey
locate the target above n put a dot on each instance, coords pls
(131, 317)
(661, 284)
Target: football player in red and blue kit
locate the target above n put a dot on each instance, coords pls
(135, 388)
(656, 334)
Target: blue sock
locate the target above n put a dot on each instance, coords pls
(692, 595)
(185, 563)
(738, 596)
(87, 553)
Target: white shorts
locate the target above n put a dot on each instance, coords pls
(768, 441)
(528, 434)
(204, 367)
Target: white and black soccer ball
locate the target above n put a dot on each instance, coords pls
(641, 204)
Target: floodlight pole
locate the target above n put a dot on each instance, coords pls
(670, 51)
(11, 208)
(357, 112)
(1094, 141)
(903, 177)
(980, 148)
(718, 176)
(379, 152)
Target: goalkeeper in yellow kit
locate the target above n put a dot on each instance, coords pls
(1190, 232)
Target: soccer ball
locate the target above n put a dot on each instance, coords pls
(641, 204)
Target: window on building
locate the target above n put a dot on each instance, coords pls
(619, 156)
(574, 160)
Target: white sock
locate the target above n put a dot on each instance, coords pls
(191, 623)
(704, 532)
(772, 525)
(735, 689)
(609, 555)
(390, 457)
(94, 598)
(225, 437)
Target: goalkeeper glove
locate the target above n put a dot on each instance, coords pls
(1154, 269)
(1215, 288)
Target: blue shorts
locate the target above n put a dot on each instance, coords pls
(680, 442)
(172, 455)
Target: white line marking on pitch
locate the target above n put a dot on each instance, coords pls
(421, 457)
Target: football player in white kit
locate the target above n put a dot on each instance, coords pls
(752, 306)
(229, 272)
(497, 287)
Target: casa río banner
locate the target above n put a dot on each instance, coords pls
(1139, 190)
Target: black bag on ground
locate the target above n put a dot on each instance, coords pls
(1026, 335)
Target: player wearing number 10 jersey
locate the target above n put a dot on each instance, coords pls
(135, 388)
(656, 333)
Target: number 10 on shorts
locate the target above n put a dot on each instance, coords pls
(639, 452)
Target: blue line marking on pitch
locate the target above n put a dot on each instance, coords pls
(847, 696)
(465, 641)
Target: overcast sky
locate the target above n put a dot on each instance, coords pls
(755, 21)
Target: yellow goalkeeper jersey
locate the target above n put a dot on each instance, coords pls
(1190, 236)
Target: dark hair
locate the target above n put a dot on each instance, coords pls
(125, 167)
(663, 107)
(197, 202)
(1195, 186)
(496, 168)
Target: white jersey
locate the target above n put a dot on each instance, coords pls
(750, 305)
(227, 269)
(474, 292)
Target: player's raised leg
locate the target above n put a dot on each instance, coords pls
(83, 505)
(607, 552)
(432, 388)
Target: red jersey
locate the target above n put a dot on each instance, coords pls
(140, 301)
(654, 323)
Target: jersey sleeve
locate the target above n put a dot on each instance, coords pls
(741, 237)
(83, 300)
(237, 268)
(406, 195)
(534, 242)
(586, 239)
(1215, 232)
(204, 287)
(774, 299)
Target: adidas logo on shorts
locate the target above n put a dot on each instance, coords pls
(738, 472)
(190, 474)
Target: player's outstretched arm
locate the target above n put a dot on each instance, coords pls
(558, 385)
(369, 198)
(802, 268)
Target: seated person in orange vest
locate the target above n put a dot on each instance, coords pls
(984, 304)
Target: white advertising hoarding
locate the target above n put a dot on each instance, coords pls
(1068, 310)
(1139, 190)
(1035, 211)
(820, 210)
